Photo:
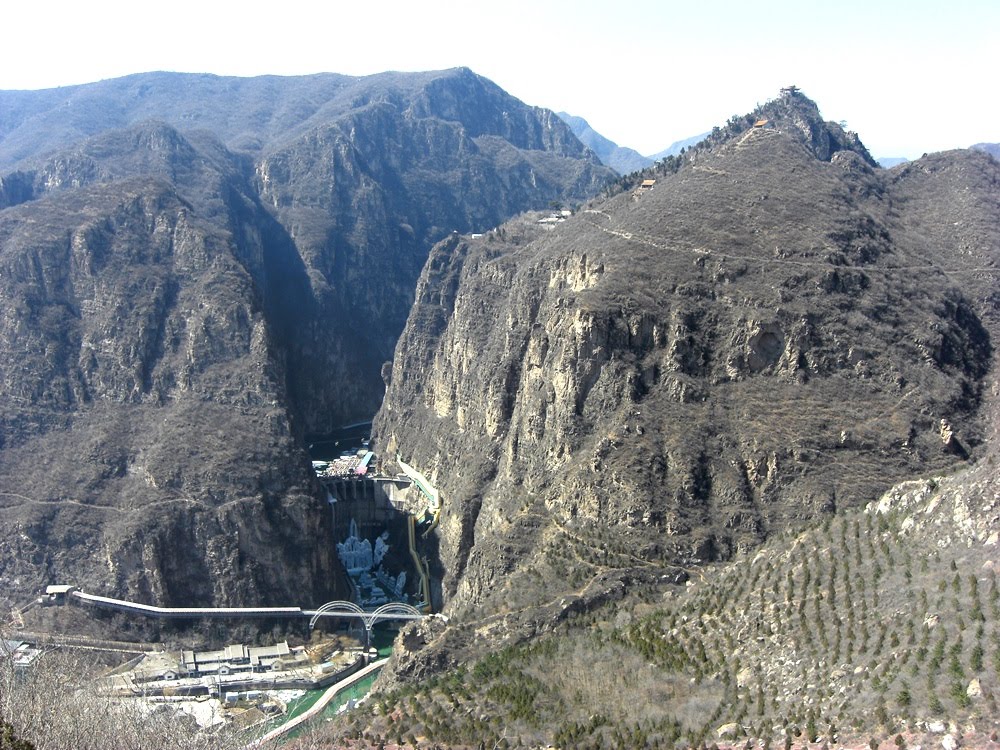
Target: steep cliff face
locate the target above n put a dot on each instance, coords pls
(362, 176)
(366, 196)
(767, 333)
(146, 441)
(179, 308)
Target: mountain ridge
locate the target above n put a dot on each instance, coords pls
(177, 308)
(759, 294)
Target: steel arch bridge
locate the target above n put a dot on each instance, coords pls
(350, 610)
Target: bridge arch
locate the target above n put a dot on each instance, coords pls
(393, 611)
(388, 611)
(335, 608)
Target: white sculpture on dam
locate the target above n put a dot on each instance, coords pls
(373, 584)
(355, 553)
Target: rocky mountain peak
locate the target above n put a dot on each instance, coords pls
(794, 113)
(448, 96)
(724, 347)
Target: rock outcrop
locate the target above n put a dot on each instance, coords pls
(774, 329)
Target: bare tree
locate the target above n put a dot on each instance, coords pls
(56, 705)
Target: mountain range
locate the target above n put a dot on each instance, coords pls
(716, 444)
(197, 272)
(625, 160)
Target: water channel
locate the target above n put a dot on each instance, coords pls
(382, 640)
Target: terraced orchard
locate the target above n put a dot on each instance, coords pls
(879, 624)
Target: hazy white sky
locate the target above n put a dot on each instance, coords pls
(909, 75)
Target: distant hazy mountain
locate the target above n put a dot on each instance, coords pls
(993, 149)
(622, 160)
(675, 148)
(888, 162)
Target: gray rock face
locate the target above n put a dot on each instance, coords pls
(147, 448)
(360, 176)
(774, 330)
(179, 308)
(366, 197)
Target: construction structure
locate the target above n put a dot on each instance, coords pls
(430, 516)
(340, 609)
(236, 658)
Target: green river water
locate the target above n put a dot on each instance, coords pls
(382, 639)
